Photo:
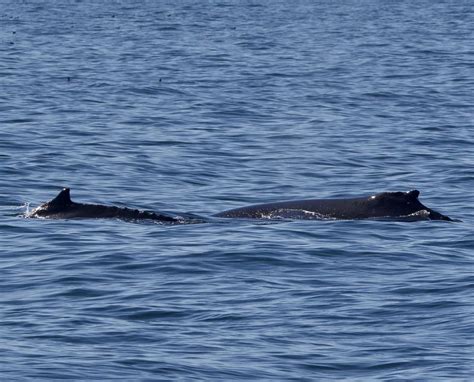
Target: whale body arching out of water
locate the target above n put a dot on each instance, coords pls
(385, 205)
(62, 207)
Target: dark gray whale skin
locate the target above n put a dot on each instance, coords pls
(386, 205)
(62, 207)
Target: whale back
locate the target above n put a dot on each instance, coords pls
(382, 205)
(61, 202)
(385, 204)
(396, 203)
(62, 207)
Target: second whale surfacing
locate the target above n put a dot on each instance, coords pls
(386, 205)
(62, 207)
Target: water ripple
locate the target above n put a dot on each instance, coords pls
(202, 107)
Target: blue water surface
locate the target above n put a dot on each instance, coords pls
(202, 106)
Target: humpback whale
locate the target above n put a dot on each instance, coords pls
(385, 205)
(62, 207)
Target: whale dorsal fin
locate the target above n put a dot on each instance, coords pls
(62, 199)
(413, 194)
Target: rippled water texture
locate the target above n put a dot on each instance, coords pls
(200, 107)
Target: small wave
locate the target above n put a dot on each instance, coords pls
(25, 210)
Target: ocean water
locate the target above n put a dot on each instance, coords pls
(187, 106)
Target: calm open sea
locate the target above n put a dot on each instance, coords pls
(202, 106)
